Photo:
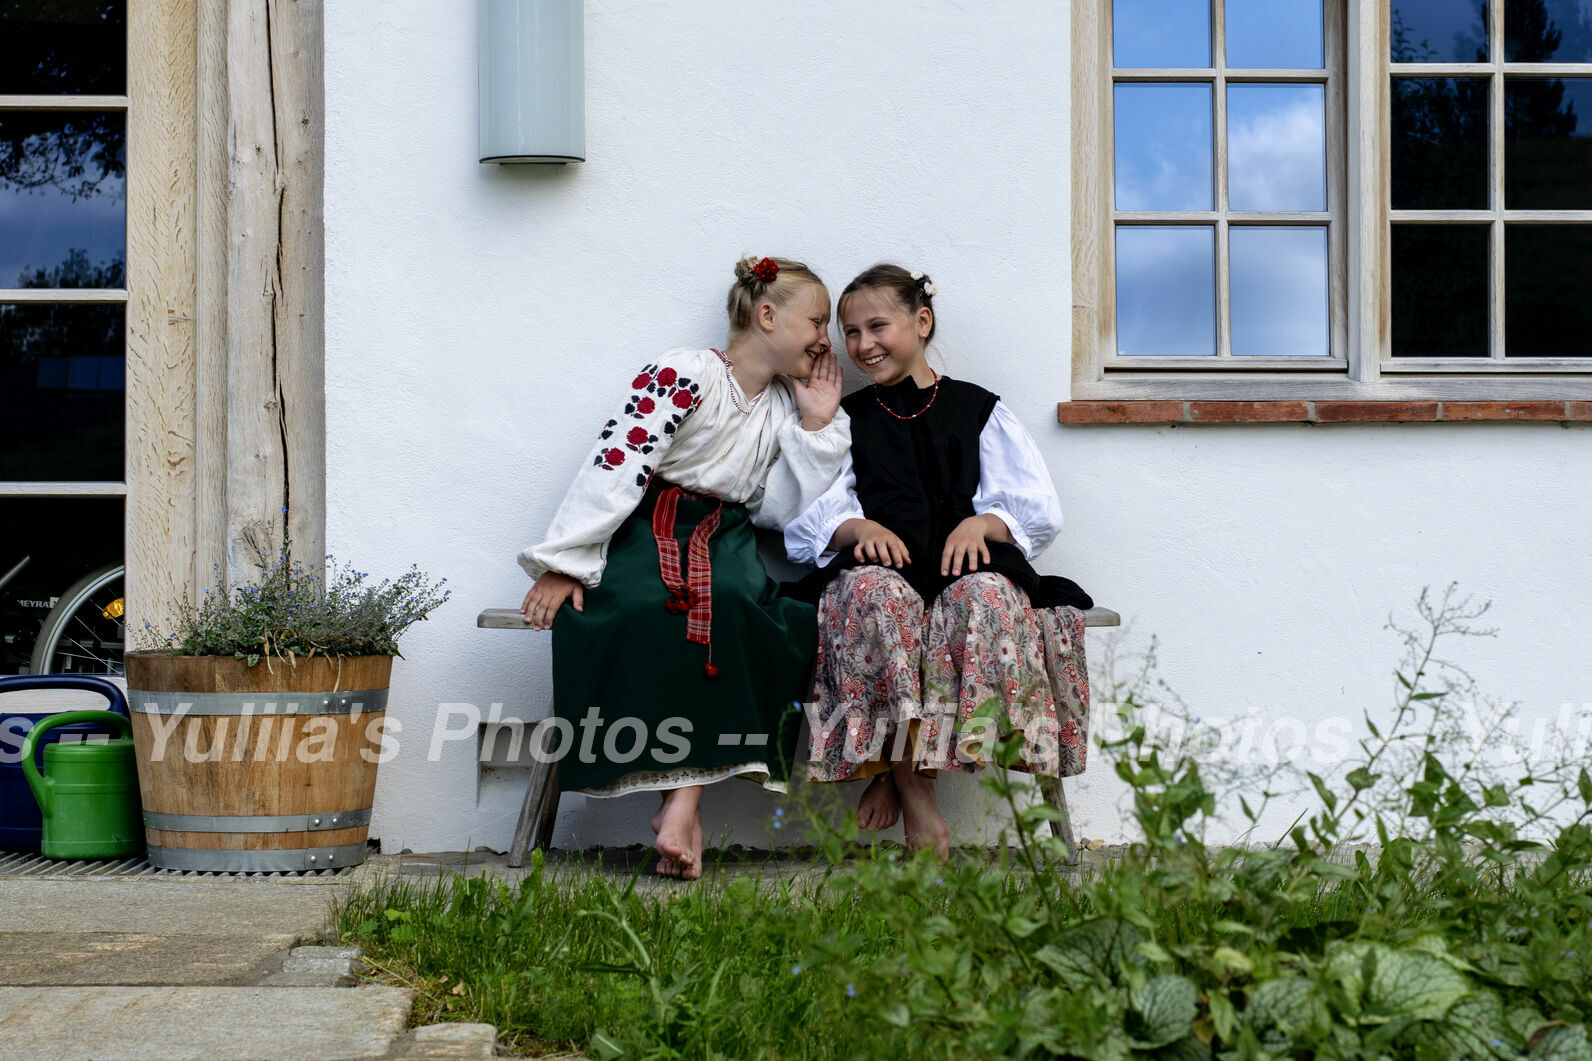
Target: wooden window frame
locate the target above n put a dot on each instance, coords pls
(1360, 272)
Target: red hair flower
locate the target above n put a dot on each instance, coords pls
(667, 377)
(683, 399)
(766, 270)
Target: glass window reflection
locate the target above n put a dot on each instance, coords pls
(1438, 31)
(1279, 291)
(1276, 147)
(1163, 147)
(1161, 33)
(1548, 143)
(1439, 127)
(1440, 293)
(1548, 31)
(1166, 291)
(63, 47)
(1275, 34)
(1548, 290)
(62, 380)
(63, 199)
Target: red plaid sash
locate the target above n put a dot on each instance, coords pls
(691, 591)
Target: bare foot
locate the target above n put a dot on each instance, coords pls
(678, 824)
(925, 825)
(880, 806)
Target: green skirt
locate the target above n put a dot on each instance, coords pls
(643, 712)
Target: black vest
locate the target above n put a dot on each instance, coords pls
(917, 476)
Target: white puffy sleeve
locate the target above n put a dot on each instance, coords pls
(807, 464)
(1014, 484)
(614, 478)
(807, 536)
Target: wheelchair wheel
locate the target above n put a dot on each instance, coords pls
(85, 633)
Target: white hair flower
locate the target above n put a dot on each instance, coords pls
(928, 285)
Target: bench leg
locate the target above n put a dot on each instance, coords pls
(534, 811)
(1061, 828)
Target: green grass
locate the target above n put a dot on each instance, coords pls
(1468, 935)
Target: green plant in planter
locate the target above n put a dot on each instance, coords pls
(291, 612)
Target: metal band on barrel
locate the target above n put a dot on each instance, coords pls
(256, 823)
(256, 861)
(346, 702)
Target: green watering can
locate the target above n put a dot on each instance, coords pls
(89, 800)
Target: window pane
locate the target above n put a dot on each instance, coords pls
(1439, 31)
(1439, 143)
(1163, 147)
(1276, 147)
(1440, 293)
(62, 539)
(1279, 296)
(62, 400)
(1166, 290)
(1274, 34)
(1161, 33)
(1548, 290)
(63, 199)
(1548, 143)
(1548, 31)
(60, 47)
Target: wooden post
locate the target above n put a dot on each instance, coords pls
(226, 368)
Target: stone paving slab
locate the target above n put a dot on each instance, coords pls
(218, 908)
(39, 959)
(201, 1023)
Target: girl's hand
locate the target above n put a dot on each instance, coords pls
(818, 396)
(966, 543)
(880, 544)
(548, 593)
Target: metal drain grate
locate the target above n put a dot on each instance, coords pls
(33, 864)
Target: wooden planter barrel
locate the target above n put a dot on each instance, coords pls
(262, 769)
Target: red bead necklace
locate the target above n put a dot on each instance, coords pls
(933, 393)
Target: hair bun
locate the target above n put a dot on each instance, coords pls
(753, 270)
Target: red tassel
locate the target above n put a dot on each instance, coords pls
(711, 671)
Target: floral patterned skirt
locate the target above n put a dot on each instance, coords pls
(896, 680)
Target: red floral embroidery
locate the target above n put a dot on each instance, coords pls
(684, 399)
(645, 406)
(667, 377)
(640, 382)
(637, 436)
(610, 459)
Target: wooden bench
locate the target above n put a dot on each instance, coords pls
(535, 827)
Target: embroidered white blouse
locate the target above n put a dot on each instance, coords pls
(1013, 484)
(681, 421)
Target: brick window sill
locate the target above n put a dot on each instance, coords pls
(1327, 412)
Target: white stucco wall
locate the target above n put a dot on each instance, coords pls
(482, 319)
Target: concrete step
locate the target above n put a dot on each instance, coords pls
(202, 1023)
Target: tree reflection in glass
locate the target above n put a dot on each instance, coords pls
(1548, 31)
(63, 185)
(1439, 127)
(1166, 290)
(1548, 143)
(1438, 31)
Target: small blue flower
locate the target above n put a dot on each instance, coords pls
(939, 880)
(779, 812)
(851, 990)
(1497, 1042)
(795, 970)
(779, 825)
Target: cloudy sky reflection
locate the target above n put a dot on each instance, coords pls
(1279, 300)
(1276, 147)
(1166, 291)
